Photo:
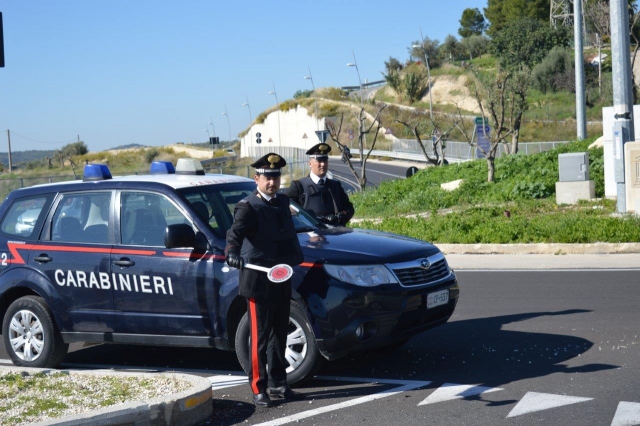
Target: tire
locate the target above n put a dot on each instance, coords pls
(30, 335)
(302, 351)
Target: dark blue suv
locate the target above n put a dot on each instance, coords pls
(139, 260)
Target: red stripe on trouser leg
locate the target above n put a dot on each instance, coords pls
(255, 364)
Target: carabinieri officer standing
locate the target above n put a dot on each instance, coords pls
(319, 194)
(263, 234)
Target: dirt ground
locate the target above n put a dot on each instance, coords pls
(450, 90)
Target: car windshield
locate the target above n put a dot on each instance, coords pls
(215, 204)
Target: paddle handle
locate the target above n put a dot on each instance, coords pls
(256, 267)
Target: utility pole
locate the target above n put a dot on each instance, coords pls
(622, 97)
(9, 142)
(581, 121)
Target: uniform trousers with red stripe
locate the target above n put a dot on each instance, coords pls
(269, 323)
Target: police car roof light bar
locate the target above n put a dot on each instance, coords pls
(162, 168)
(189, 166)
(94, 172)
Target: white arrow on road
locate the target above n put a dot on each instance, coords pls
(535, 401)
(627, 414)
(450, 391)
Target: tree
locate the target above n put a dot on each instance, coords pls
(393, 78)
(499, 13)
(437, 138)
(414, 82)
(556, 71)
(472, 22)
(302, 94)
(527, 42)
(363, 131)
(503, 98)
(475, 46)
(427, 50)
(449, 49)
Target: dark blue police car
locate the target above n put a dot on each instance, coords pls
(139, 260)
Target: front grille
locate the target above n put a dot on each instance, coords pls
(412, 274)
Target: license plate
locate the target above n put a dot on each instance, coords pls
(438, 298)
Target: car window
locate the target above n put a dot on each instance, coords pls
(218, 201)
(144, 217)
(24, 217)
(82, 218)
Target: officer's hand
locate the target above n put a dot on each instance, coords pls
(341, 218)
(235, 261)
(332, 219)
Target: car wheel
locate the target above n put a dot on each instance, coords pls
(31, 337)
(301, 353)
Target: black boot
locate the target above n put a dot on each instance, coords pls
(262, 400)
(284, 392)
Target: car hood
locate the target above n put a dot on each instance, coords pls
(346, 246)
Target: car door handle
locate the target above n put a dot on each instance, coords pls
(43, 258)
(124, 262)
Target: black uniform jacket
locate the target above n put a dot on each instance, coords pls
(264, 235)
(310, 196)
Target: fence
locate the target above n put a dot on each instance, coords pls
(463, 151)
(297, 161)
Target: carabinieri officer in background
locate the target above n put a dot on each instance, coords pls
(263, 234)
(319, 194)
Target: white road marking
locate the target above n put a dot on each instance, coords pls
(535, 401)
(408, 385)
(221, 382)
(627, 414)
(449, 391)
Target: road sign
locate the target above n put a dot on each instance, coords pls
(412, 171)
(388, 132)
(350, 131)
(351, 137)
(480, 121)
(322, 135)
(483, 140)
(258, 138)
(304, 136)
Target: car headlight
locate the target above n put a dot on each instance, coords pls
(362, 275)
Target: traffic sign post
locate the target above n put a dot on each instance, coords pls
(482, 131)
(322, 135)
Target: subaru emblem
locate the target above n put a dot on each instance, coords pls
(425, 264)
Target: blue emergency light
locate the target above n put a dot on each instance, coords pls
(162, 168)
(93, 172)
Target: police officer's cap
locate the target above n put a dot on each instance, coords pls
(319, 151)
(269, 165)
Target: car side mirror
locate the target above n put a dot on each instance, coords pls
(181, 235)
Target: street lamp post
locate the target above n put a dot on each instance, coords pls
(315, 98)
(228, 122)
(355, 65)
(246, 104)
(213, 129)
(273, 92)
(426, 62)
(361, 128)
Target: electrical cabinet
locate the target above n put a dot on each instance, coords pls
(573, 166)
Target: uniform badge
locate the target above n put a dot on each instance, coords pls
(273, 159)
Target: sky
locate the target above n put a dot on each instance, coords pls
(121, 72)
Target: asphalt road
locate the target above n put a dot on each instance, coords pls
(523, 347)
(376, 172)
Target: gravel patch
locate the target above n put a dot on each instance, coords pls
(29, 397)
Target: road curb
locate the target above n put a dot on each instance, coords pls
(188, 407)
(592, 248)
